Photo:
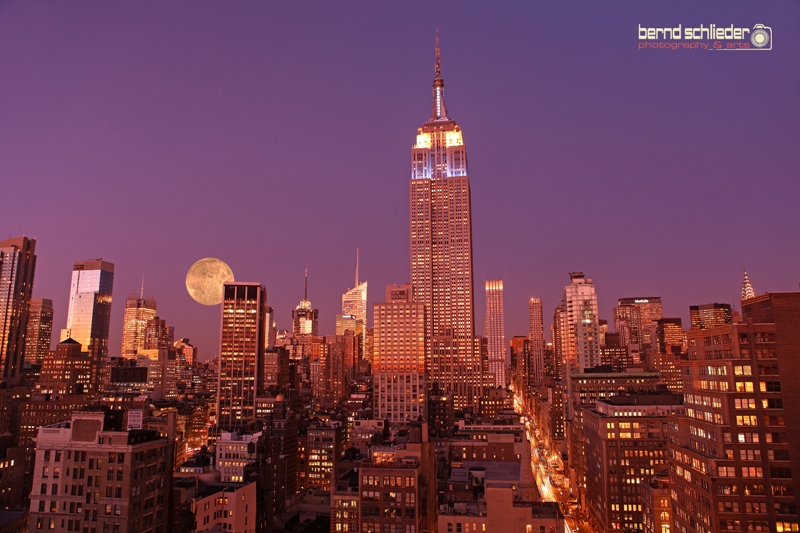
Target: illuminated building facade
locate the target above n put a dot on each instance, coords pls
(580, 330)
(158, 335)
(536, 336)
(735, 453)
(89, 314)
(709, 316)
(670, 344)
(304, 320)
(626, 444)
(441, 249)
(747, 287)
(496, 333)
(354, 304)
(138, 311)
(17, 265)
(241, 352)
(40, 330)
(130, 475)
(65, 370)
(398, 367)
(635, 319)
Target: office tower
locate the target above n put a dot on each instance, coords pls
(747, 287)
(327, 370)
(304, 320)
(407, 500)
(89, 314)
(496, 332)
(272, 329)
(325, 445)
(186, 353)
(638, 316)
(626, 444)
(735, 453)
(67, 370)
(580, 335)
(17, 265)
(40, 330)
(441, 249)
(615, 354)
(709, 316)
(536, 336)
(398, 366)
(346, 323)
(584, 390)
(157, 335)
(276, 367)
(354, 304)
(521, 363)
(559, 328)
(121, 478)
(669, 335)
(628, 324)
(242, 343)
(138, 311)
(670, 342)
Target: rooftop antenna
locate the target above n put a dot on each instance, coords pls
(356, 267)
(141, 293)
(438, 61)
(305, 293)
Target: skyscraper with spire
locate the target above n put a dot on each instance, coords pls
(304, 319)
(138, 311)
(354, 303)
(441, 249)
(747, 287)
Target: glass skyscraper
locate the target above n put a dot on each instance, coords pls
(89, 314)
(17, 266)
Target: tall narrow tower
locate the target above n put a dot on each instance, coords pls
(242, 343)
(354, 304)
(747, 287)
(17, 265)
(496, 332)
(304, 319)
(441, 249)
(536, 336)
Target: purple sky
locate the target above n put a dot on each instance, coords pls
(271, 134)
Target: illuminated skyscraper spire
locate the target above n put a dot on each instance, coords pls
(439, 111)
(747, 287)
(305, 290)
(441, 251)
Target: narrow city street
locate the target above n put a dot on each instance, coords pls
(549, 479)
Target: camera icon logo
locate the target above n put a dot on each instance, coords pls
(761, 37)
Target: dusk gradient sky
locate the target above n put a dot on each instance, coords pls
(275, 134)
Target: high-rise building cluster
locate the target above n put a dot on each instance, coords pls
(398, 418)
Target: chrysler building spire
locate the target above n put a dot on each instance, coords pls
(747, 287)
(439, 111)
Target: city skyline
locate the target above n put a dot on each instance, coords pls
(546, 124)
(622, 178)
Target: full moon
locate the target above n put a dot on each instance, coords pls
(205, 278)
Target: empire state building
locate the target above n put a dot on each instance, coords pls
(441, 250)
